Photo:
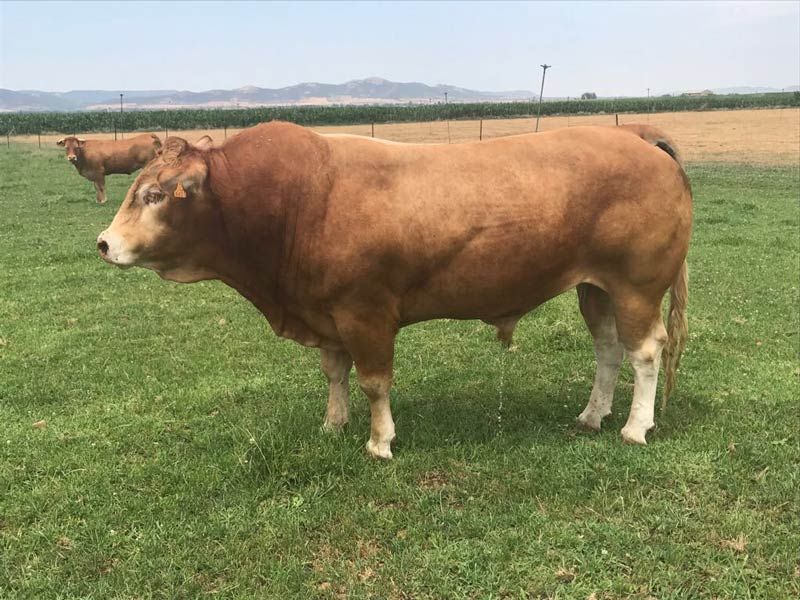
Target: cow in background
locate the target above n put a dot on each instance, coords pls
(95, 159)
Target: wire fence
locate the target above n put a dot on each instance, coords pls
(762, 136)
(186, 119)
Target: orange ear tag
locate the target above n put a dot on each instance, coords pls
(179, 192)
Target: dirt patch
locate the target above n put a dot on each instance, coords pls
(768, 136)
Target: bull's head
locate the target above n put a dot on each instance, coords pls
(74, 146)
(166, 222)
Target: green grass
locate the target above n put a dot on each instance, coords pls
(182, 454)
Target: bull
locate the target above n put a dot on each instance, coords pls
(340, 241)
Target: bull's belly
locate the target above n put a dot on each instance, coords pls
(486, 295)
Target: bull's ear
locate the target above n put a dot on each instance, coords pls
(185, 181)
(81, 141)
(204, 143)
(172, 150)
(60, 142)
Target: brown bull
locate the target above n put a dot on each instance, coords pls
(340, 241)
(95, 159)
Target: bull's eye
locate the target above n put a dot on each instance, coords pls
(153, 196)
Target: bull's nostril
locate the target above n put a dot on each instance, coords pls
(102, 247)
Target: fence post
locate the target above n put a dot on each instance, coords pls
(166, 132)
(8, 139)
(225, 128)
(39, 135)
(616, 119)
(568, 111)
(115, 131)
(480, 135)
(373, 130)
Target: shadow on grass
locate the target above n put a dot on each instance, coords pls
(291, 451)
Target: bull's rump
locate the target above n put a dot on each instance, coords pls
(495, 228)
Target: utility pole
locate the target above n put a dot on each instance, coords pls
(120, 103)
(447, 116)
(120, 118)
(541, 93)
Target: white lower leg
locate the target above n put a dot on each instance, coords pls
(381, 422)
(609, 358)
(645, 366)
(336, 366)
(609, 353)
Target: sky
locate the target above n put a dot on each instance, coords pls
(619, 48)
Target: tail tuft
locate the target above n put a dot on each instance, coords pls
(677, 330)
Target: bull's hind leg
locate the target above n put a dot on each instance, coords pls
(336, 366)
(642, 333)
(598, 312)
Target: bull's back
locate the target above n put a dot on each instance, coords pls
(127, 156)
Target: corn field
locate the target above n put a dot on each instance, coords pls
(148, 120)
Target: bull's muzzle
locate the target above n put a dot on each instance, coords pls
(111, 249)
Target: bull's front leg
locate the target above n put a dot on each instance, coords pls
(100, 189)
(336, 366)
(369, 339)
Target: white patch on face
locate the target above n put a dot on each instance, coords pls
(116, 254)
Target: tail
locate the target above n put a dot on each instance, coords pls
(656, 137)
(677, 330)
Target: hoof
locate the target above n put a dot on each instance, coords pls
(381, 450)
(588, 425)
(333, 426)
(590, 421)
(631, 435)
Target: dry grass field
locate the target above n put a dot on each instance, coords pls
(759, 137)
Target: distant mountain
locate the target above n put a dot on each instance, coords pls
(33, 100)
(754, 90)
(745, 90)
(373, 90)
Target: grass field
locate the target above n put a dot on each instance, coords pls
(159, 442)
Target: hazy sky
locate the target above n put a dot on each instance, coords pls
(610, 48)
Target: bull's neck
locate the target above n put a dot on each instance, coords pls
(268, 206)
(80, 161)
